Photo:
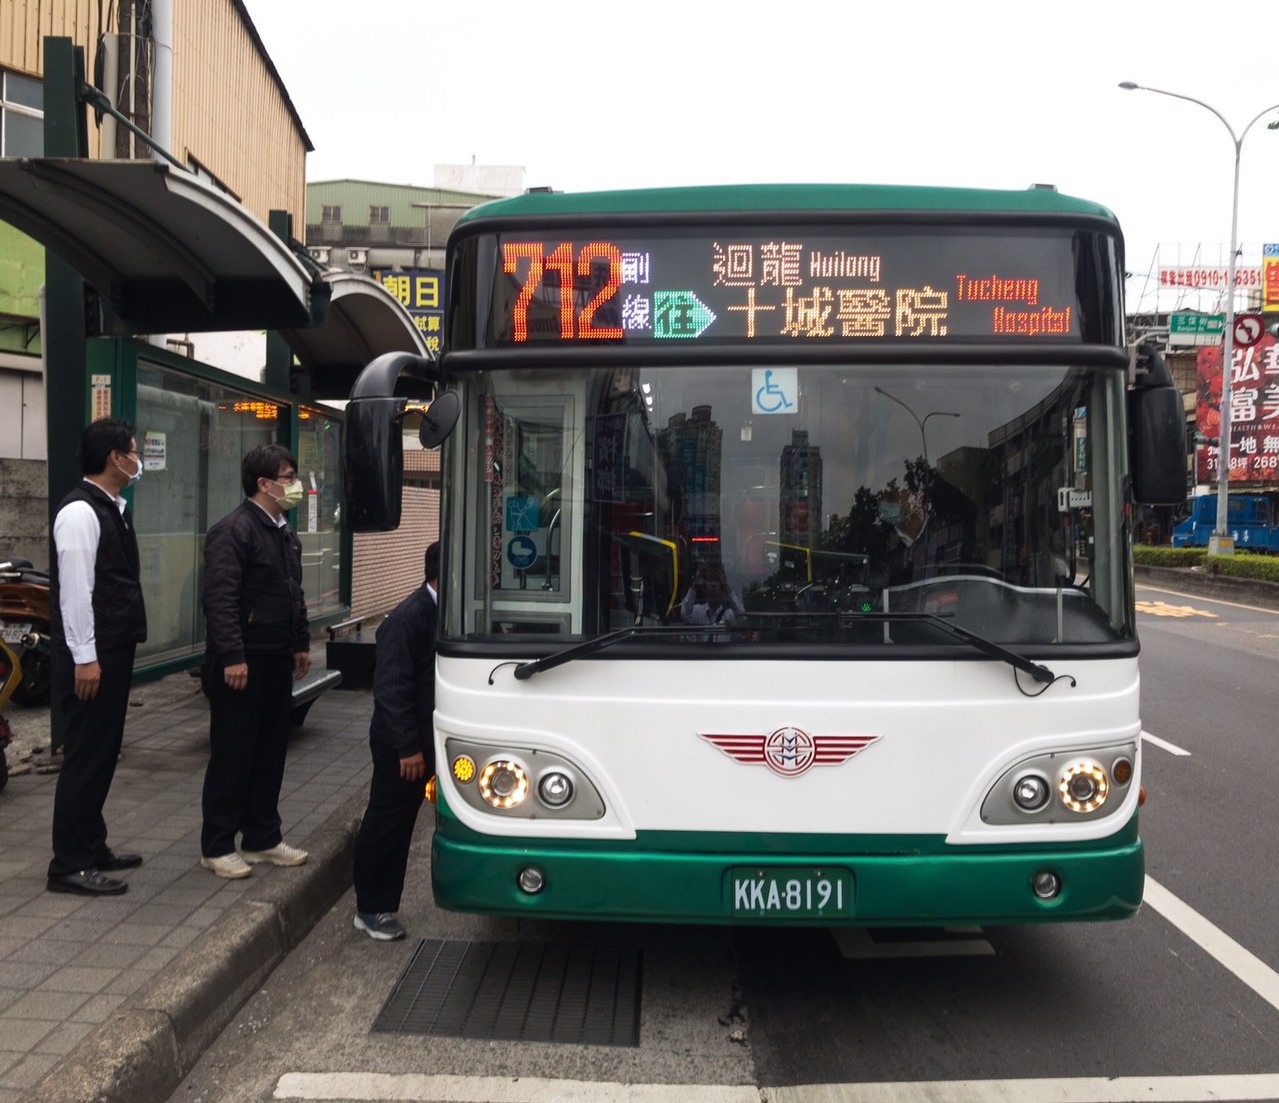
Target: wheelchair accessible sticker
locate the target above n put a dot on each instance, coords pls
(774, 390)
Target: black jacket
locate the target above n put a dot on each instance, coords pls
(253, 600)
(119, 614)
(404, 679)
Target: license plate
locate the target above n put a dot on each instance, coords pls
(790, 893)
(13, 633)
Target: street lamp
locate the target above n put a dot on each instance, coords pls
(921, 422)
(1220, 543)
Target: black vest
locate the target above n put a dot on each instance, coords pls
(119, 617)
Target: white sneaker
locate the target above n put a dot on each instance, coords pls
(279, 855)
(231, 866)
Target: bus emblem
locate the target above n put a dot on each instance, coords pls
(788, 751)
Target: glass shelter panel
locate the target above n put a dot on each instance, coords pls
(318, 519)
(836, 506)
(192, 434)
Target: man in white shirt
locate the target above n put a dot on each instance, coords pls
(98, 620)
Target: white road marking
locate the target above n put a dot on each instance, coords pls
(493, 1089)
(498, 1089)
(1249, 968)
(1163, 744)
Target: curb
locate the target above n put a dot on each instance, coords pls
(142, 1053)
(1220, 586)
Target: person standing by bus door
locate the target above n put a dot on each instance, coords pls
(402, 740)
(258, 640)
(99, 619)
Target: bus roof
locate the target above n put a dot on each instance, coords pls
(784, 197)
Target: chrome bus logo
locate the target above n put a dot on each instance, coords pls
(790, 751)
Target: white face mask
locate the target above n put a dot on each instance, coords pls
(136, 477)
(293, 494)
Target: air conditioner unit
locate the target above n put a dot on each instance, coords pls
(320, 254)
(357, 259)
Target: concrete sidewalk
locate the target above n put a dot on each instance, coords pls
(116, 998)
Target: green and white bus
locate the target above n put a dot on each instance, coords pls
(787, 566)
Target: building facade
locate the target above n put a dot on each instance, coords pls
(212, 382)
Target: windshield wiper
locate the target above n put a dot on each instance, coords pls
(994, 650)
(599, 643)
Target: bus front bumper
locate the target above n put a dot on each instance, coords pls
(969, 885)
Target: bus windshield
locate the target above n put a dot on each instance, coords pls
(790, 508)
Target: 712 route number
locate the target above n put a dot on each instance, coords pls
(562, 261)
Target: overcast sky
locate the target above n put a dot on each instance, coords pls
(989, 93)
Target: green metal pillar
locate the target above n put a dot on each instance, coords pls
(64, 340)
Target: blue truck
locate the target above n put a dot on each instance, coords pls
(1250, 518)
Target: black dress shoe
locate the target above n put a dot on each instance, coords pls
(88, 882)
(110, 861)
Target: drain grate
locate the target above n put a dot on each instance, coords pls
(514, 991)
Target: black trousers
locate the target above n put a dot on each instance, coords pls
(248, 740)
(386, 832)
(92, 734)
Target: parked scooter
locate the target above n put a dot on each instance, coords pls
(10, 678)
(24, 626)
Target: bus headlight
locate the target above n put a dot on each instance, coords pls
(1058, 787)
(555, 788)
(503, 783)
(518, 781)
(1083, 787)
(1030, 792)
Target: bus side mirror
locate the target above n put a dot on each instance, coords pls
(1157, 440)
(373, 464)
(1156, 432)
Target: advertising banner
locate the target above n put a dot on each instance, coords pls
(1254, 413)
(1270, 278)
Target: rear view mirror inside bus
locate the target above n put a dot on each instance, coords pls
(439, 419)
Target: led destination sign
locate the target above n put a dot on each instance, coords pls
(786, 287)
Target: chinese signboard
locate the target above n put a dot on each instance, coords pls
(1270, 278)
(1254, 412)
(421, 293)
(1209, 277)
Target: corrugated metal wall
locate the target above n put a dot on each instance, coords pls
(229, 113)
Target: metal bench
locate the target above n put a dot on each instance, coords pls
(306, 690)
(350, 651)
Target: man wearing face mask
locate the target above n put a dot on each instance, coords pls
(257, 641)
(98, 619)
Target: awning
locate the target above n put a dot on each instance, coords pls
(364, 321)
(167, 250)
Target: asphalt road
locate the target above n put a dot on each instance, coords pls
(1180, 1003)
